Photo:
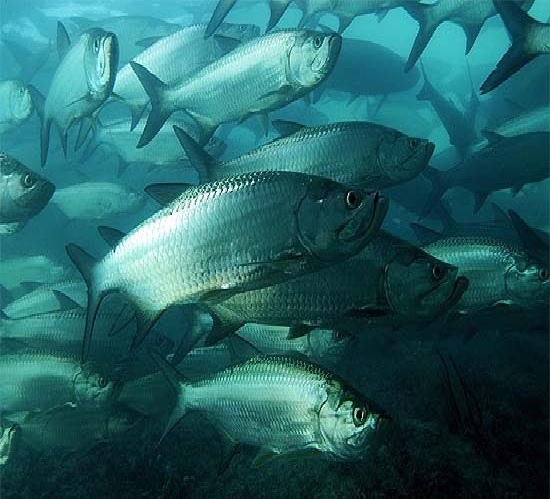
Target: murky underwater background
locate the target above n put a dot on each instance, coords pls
(468, 393)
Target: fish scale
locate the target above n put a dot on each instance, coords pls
(39, 379)
(228, 236)
(282, 396)
(164, 59)
(484, 261)
(345, 152)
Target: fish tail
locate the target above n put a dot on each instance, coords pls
(437, 178)
(200, 159)
(180, 383)
(426, 91)
(221, 11)
(85, 264)
(517, 22)
(38, 101)
(155, 89)
(277, 10)
(426, 28)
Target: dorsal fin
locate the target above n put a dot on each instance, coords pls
(63, 40)
(424, 234)
(286, 128)
(499, 215)
(166, 193)
(65, 302)
(111, 236)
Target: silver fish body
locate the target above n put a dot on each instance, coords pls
(498, 272)
(322, 346)
(23, 194)
(70, 429)
(16, 105)
(389, 277)
(35, 268)
(34, 381)
(164, 59)
(533, 120)
(279, 224)
(260, 75)
(80, 85)
(282, 405)
(361, 153)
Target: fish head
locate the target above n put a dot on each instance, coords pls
(24, 192)
(100, 61)
(19, 100)
(328, 343)
(335, 221)
(350, 424)
(94, 390)
(526, 282)
(312, 57)
(401, 158)
(420, 287)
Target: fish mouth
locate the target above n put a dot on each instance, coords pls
(363, 228)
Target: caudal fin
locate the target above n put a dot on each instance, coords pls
(220, 12)
(159, 114)
(179, 382)
(38, 101)
(517, 23)
(436, 177)
(426, 28)
(85, 264)
(200, 159)
(427, 89)
(277, 9)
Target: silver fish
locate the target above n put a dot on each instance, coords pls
(280, 225)
(260, 75)
(361, 153)
(33, 381)
(305, 408)
(80, 85)
(470, 16)
(164, 59)
(344, 10)
(16, 105)
(532, 120)
(70, 429)
(43, 299)
(163, 150)
(390, 277)
(97, 200)
(35, 268)
(23, 194)
(498, 272)
(322, 346)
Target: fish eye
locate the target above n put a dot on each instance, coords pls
(543, 274)
(413, 143)
(102, 382)
(339, 335)
(96, 45)
(317, 41)
(242, 28)
(28, 180)
(353, 200)
(437, 272)
(22, 91)
(359, 415)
